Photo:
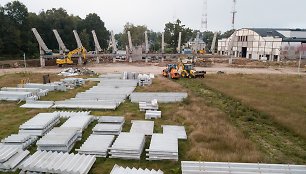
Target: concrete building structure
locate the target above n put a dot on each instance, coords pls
(264, 44)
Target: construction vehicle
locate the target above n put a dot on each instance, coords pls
(188, 71)
(171, 72)
(68, 58)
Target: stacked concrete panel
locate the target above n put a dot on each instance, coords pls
(14, 95)
(20, 140)
(68, 114)
(111, 119)
(198, 167)
(177, 131)
(35, 91)
(97, 145)
(37, 104)
(162, 97)
(152, 114)
(107, 129)
(128, 146)
(121, 170)
(54, 162)
(58, 139)
(144, 80)
(11, 157)
(140, 126)
(152, 105)
(86, 104)
(80, 123)
(40, 124)
(163, 147)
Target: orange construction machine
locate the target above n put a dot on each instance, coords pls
(171, 72)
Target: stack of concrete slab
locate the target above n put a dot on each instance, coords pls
(152, 114)
(11, 157)
(80, 123)
(14, 95)
(144, 80)
(162, 97)
(177, 131)
(58, 139)
(109, 94)
(140, 126)
(107, 129)
(34, 104)
(111, 76)
(35, 91)
(121, 170)
(152, 105)
(163, 147)
(86, 104)
(40, 124)
(20, 140)
(73, 81)
(68, 114)
(192, 167)
(111, 119)
(128, 146)
(61, 163)
(97, 145)
(48, 86)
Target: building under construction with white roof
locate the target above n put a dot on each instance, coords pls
(264, 44)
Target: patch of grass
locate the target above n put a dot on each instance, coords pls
(278, 144)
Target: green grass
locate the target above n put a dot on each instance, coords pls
(279, 144)
(219, 128)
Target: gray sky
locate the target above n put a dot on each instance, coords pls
(155, 13)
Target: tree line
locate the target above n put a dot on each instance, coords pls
(17, 38)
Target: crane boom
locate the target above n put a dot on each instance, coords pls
(40, 41)
(60, 41)
(97, 45)
(77, 38)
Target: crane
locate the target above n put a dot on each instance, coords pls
(60, 42)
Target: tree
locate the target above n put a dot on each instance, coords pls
(172, 34)
(137, 34)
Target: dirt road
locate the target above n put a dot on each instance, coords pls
(151, 68)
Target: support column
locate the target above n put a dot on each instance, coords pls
(41, 58)
(80, 61)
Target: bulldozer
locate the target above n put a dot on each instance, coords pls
(188, 71)
(68, 58)
(171, 72)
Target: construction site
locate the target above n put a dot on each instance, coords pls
(231, 104)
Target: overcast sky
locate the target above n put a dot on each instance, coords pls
(155, 13)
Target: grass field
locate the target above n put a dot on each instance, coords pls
(216, 132)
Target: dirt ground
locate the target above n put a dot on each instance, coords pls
(157, 69)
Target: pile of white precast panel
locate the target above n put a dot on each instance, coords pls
(152, 105)
(107, 129)
(140, 126)
(177, 131)
(111, 119)
(54, 162)
(128, 146)
(14, 95)
(68, 114)
(40, 124)
(152, 114)
(163, 147)
(34, 104)
(161, 97)
(192, 167)
(121, 170)
(80, 123)
(97, 145)
(20, 140)
(11, 157)
(58, 139)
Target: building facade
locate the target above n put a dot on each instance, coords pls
(264, 44)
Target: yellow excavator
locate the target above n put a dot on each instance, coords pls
(188, 71)
(68, 59)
